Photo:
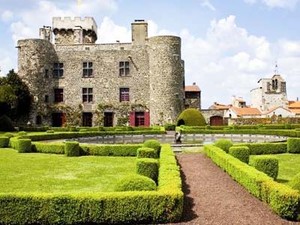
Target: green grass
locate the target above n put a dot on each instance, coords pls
(289, 166)
(49, 173)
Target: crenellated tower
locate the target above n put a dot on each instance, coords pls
(74, 31)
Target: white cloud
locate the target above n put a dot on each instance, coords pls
(208, 4)
(288, 4)
(108, 31)
(7, 16)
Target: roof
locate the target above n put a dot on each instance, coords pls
(294, 105)
(273, 109)
(192, 88)
(219, 106)
(246, 111)
(296, 111)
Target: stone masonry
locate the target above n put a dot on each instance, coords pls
(139, 83)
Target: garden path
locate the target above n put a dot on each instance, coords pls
(213, 198)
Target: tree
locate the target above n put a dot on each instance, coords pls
(22, 104)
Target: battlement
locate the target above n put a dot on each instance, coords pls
(86, 23)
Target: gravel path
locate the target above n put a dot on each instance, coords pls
(212, 197)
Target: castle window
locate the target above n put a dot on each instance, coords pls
(87, 69)
(87, 95)
(124, 94)
(58, 95)
(46, 98)
(46, 73)
(58, 70)
(124, 68)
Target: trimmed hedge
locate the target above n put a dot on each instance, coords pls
(191, 117)
(151, 143)
(293, 145)
(282, 199)
(224, 144)
(23, 145)
(72, 148)
(295, 182)
(266, 164)
(110, 150)
(136, 183)
(240, 152)
(137, 207)
(265, 148)
(146, 153)
(147, 167)
(4, 141)
(49, 147)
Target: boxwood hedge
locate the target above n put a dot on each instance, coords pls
(282, 199)
(129, 207)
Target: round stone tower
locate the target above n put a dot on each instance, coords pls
(166, 79)
(35, 64)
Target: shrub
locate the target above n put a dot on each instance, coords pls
(153, 144)
(23, 145)
(240, 152)
(49, 147)
(22, 133)
(293, 145)
(282, 199)
(4, 141)
(170, 126)
(265, 148)
(135, 183)
(6, 124)
(110, 149)
(72, 148)
(50, 131)
(265, 164)
(147, 167)
(224, 144)
(295, 182)
(146, 153)
(191, 117)
(9, 135)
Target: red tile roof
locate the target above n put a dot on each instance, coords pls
(192, 88)
(246, 111)
(294, 105)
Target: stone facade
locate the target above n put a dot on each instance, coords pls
(138, 83)
(270, 94)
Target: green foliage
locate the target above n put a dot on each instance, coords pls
(170, 126)
(22, 133)
(191, 117)
(110, 150)
(266, 164)
(223, 144)
(295, 182)
(72, 148)
(23, 145)
(153, 144)
(139, 207)
(145, 152)
(4, 141)
(136, 183)
(6, 124)
(147, 167)
(283, 200)
(7, 94)
(22, 104)
(240, 152)
(48, 147)
(293, 145)
(265, 148)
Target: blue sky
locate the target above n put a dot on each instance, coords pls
(227, 45)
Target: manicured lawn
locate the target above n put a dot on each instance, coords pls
(49, 173)
(289, 166)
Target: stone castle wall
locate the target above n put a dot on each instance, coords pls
(155, 81)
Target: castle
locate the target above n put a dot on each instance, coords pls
(76, 81)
